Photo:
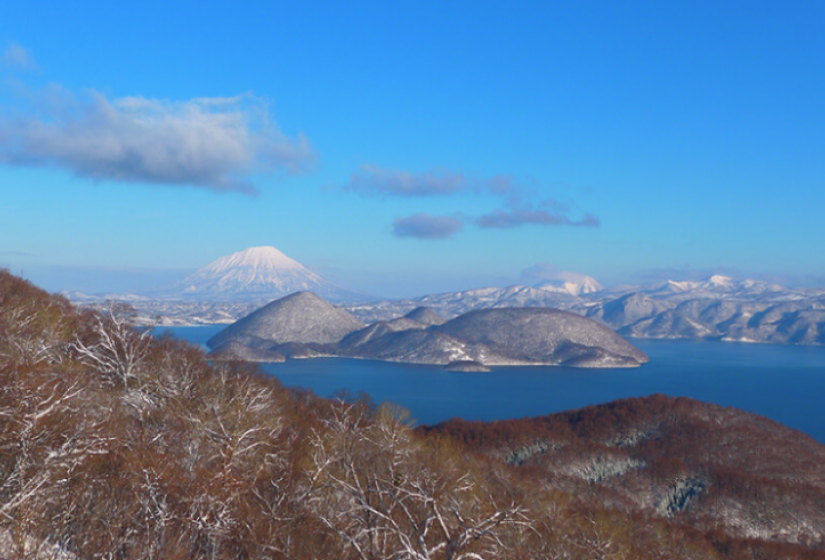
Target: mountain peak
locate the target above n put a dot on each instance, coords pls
(719, 280)
(573, 284)
(425, 316)
(259, 258)
(257, 273)
(299, 317)
(304, 298)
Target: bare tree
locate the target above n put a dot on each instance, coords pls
(234, 448)
(42, 428)
(31, 336)
(115, 347)
(380, 492)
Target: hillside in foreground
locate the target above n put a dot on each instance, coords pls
(711, 467)
(117, 445)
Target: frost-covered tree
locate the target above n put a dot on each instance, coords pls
(388, 496)
(113, 346)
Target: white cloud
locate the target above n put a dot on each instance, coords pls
(426, 226)
(528, 215)
(375, 180)
(214, 143)
(518, 209)
(17, 56)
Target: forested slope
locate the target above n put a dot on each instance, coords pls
(714, 468)
(117, 445)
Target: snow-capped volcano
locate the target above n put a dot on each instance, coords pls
(264, 259)
(257, 273)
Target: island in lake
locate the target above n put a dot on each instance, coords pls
(303, 325)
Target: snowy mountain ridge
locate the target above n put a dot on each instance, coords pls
(716, 287)
(574, 286)
(720, 307)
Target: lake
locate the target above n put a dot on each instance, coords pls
(785, 383)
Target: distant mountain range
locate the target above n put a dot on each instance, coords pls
(719, 308)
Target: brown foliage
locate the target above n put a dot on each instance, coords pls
(703, 465)
(117, 445)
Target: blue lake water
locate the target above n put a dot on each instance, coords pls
(785, 383)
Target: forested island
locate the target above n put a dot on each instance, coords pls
(302, 325)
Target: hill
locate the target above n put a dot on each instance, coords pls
(489, 337)
(117, 445)
(425, 316)
(545, 335)
(302, 317)
(707, 466)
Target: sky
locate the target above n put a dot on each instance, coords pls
(404, 148)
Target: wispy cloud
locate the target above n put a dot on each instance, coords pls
(15, 254)
(426, 226)
(16, 56)
(515, 198)
(521, 217)
(213, 143)
(373, 180)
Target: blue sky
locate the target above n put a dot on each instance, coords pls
(401, 148)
